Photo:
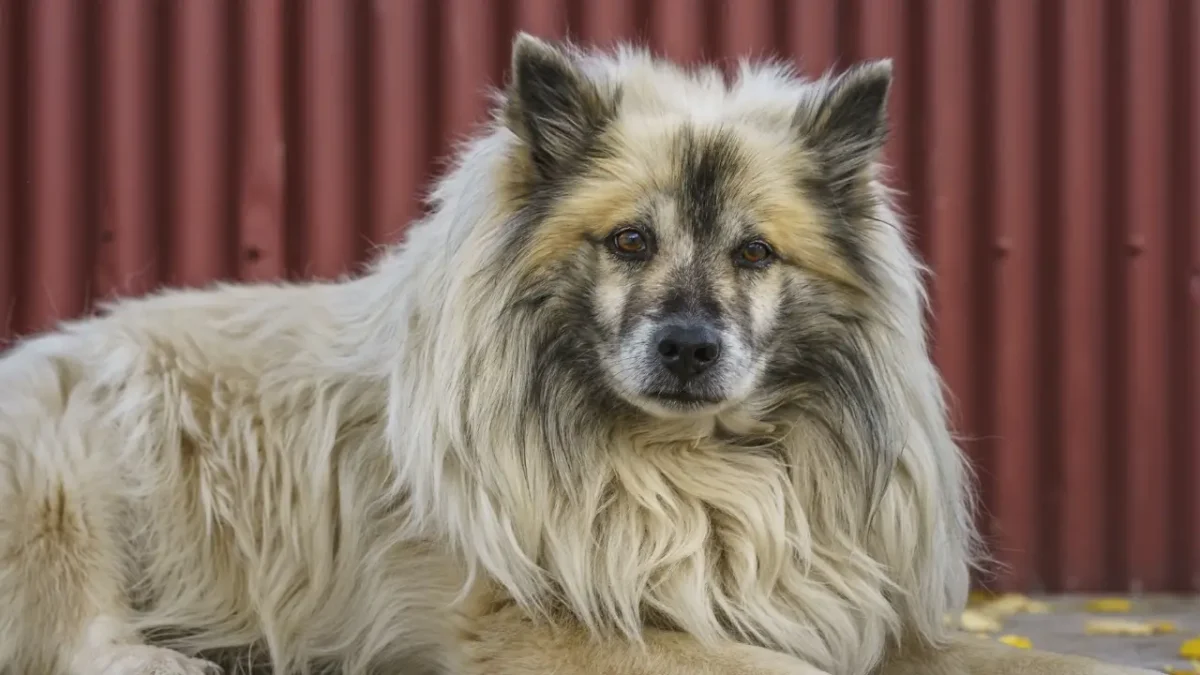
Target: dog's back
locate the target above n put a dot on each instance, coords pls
(165, 442)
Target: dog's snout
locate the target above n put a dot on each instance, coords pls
(687, 350)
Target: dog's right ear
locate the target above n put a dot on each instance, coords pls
(550, 104)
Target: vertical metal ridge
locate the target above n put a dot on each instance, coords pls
(678, 29)
(746, 29)
(1016, 289)
(1113, 289)
(883, 34)
(916, 169)
(468, 65)
(1048, 159)
(1080, 438)
(1192, 338)
(57, 279)
(9, 169)
(90, 117)
(1178, 252)
(1187, 220)
(399, 116)
(128, 255)
(1145, 278)
(200, 241)
(605, 23)
(948, 203)
(812, 32)
(296, 145)
(545, 18)
(262, 162)
(330, 168)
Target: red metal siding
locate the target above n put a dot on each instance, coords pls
(1082, 320)
(1050, 152)
(9, 158)
(1186, 437)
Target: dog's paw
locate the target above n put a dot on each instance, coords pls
(141, 660)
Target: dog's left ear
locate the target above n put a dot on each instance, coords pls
(550, 104)
(847, 123)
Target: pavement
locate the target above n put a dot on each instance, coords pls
(1062, 623)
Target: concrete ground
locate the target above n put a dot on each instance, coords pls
(1062, 629)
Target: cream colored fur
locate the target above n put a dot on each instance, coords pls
(341, 474)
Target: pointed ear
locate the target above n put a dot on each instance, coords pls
(550, 104)
(847, 123)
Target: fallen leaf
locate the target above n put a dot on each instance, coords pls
(1037, 607)
(1109, 605)
(1016, 641)
(1162, 627)
(975, 621)
(977, 598)
(1117, 627)
(1190, 649)
(1006, 605)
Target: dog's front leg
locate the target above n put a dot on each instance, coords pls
(506, 642)
(970, 655)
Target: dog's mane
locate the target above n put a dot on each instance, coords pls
(811, 529)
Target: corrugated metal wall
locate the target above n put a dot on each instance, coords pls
(1051, 150)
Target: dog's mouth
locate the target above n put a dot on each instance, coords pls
(683, 398)
(677, 403)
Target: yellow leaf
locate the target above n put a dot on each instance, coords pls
(1007, 605)
(1016, 641)
(1190, 649)
(1109, 605)
(1037, 607)
(1117, 627)
(977, 598)
(1161, 627)
(977, 622)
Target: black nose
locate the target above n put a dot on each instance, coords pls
(688, 350)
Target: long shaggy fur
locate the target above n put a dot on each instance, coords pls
(319, 472)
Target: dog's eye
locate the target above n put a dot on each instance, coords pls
(755, 254)
(629, 242)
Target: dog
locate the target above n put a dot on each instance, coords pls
(647, 391)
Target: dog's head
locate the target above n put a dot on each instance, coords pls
(693, 243)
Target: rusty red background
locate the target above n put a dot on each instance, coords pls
(1050, 151)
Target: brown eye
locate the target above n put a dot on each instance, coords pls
(755, 254)
(630, 243)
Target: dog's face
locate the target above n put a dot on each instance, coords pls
(702, 256)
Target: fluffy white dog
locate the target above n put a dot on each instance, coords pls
(647, 393)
